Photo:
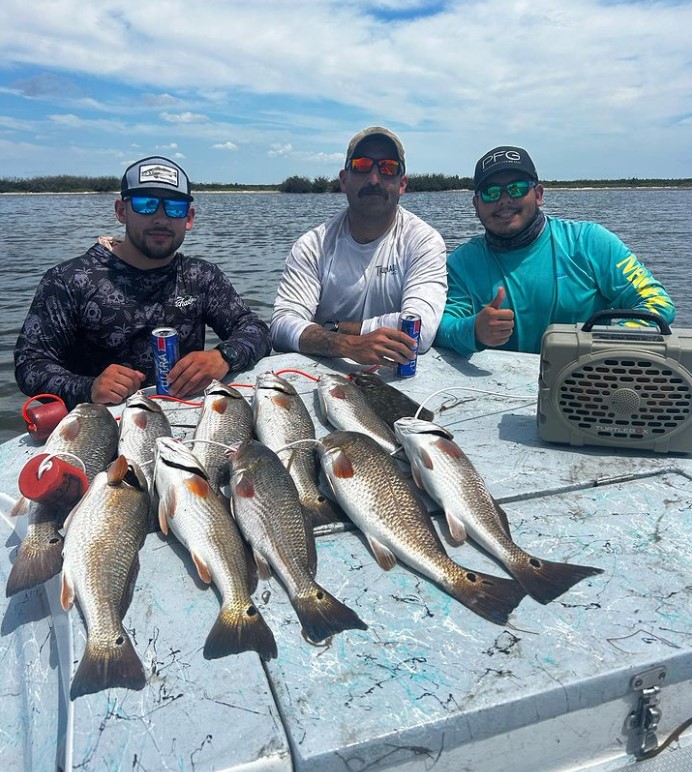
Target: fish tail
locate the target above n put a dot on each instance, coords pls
(322, 615)
(491, 597)
(235, 632)
(544, 580)
(105, 667)
(35, 565)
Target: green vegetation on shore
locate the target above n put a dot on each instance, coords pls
(416, 183)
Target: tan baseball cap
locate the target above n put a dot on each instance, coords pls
(376, 131)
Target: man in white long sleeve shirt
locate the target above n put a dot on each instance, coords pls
(346, 282)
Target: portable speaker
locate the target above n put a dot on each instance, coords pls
(627, 387)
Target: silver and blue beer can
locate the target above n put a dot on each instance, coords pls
(164, 341)
(410, 324)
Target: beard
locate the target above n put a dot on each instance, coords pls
(156, 243)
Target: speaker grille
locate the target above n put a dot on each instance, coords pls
(625, 398)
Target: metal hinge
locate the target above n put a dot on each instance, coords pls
(642, 722)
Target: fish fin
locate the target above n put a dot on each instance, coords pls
(385, 558)
(66, 592)
(244, 486)
(116, 471)
(457, 529)
(282, 400)
(425, 458)
(263, 566)
(140, 420)
(129, 590)
(70, 428)
(21, 507)
(252, 572)
(342, 466)
(504, 520)
(449, 448)
(338, 392)
(545, 580)
(235, 632)
(491, 597)
(166, 510)
(105, 666)
(322, 615)
(202, 567)
(220, 405)
(417, 478)
(35, 565)
(312, 550)
(198, 486)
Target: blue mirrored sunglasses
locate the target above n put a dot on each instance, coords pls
(517, 189)
(147, 205)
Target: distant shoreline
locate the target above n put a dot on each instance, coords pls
(547, 185)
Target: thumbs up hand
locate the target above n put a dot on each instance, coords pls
(494, 325)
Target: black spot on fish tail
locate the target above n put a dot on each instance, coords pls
(104, 667)
(35, 564)
(491, 597)
(544, 580)
(235, 632)
(322, 615)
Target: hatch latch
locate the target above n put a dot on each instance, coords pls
(642, 722)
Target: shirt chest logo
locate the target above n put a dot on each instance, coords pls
(383, 270)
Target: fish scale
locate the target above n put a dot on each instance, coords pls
(444, 471)
(370, 487)
(91, 433)
(201, 522)
(226, 418)
(104, 534)
(281, 418)
(268, 510)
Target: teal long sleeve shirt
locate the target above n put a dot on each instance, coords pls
(570, 272)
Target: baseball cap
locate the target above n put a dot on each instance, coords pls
(155, 174)
(503, 159)
(376, 131)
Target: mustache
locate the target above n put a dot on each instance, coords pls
(372, 190)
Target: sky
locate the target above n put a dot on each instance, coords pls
(260, 90)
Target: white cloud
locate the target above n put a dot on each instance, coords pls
(186, 117)
(225, 146)
(591, 87)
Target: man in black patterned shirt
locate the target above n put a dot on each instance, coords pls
(87, 335)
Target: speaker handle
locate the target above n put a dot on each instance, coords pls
(628, 313)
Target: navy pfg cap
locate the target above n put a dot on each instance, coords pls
(503, 159)
(155, 174)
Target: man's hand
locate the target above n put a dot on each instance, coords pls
(115, 384)
(196, 370)
(383, 346)
(494, 325)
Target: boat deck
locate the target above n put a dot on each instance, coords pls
(429, 684)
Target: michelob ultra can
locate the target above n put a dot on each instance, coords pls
(164, 341)
(410, 324)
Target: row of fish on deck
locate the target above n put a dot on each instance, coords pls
(275, 501)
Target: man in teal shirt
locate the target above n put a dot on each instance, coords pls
(529, 270)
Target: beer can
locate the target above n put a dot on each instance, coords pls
(410, 324)
(164, 341)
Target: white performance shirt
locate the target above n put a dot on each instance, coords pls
(328, 275)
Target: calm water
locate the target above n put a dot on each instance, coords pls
(249, 235)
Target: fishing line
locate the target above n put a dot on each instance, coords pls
(446, 406)
(299, 372)
(47, 463)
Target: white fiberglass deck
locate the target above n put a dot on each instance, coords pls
(429, 684)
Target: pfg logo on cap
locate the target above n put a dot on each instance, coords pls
(508, 156)
(149, 173)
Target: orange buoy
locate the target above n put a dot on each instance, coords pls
(42, 419)
(58, 483)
